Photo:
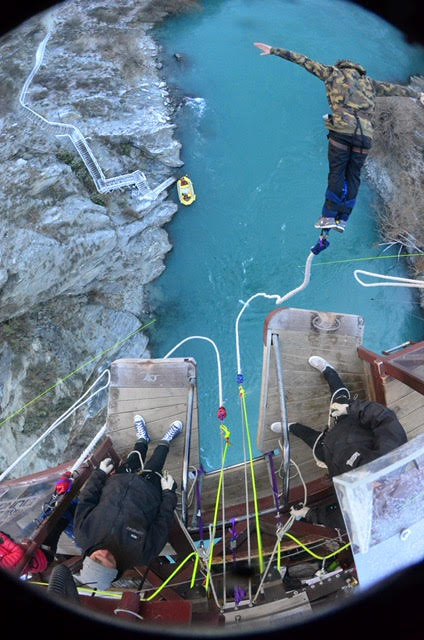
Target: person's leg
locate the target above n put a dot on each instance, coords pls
(136, 458)
(338, 159)
(338, 390)
(309, 437)
(353, 180)
(157, 460)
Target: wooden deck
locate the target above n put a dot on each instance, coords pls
(301, 334)
(407, 404)
(159, 390)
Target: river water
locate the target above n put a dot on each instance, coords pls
(255, 147)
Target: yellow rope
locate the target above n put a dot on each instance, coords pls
(252, 470)
(289, 535)
(169, 578)
(400, 255)
(227, 434)
(154, 594)
(15, 413)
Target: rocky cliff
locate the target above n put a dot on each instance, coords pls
(395, 168)
(73, 262)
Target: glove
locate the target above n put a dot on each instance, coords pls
(167, 482)
(422, 98)
(337, 409)
(106, 465)
(64, 484)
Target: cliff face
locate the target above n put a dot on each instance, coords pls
(396, 169)
(74, 262)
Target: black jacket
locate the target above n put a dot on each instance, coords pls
(125, 514)
(368, 431)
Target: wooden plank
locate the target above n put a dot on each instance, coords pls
(159, 390)
(303, 333)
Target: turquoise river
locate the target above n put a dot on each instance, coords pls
(255, 147)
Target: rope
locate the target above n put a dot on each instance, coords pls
(252, 471)
(398, 255)
(59, 420)
(69, 375)
(226, 434)
(289, 535)
(395, 281)
(278, 300)
(218, 360)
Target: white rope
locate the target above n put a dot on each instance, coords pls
(278, 300)
(88, 449)
(395, 281)
(133, 613)
(218, 360)
(61, 419)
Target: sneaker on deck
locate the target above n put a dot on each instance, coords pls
(173, 431)
(277, 428)
(319, 363)
(140, 428)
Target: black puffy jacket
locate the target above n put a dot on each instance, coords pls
(125, 514)
(368, 431)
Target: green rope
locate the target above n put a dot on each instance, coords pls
(252, 472)
(226, 433)
(398, 255)
(314, 554)
(18, 411)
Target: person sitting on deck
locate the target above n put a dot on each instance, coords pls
(362, 430)
(351, 94)
(124, 519)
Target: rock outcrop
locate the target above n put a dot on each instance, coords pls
(73, 262)
(395, 168)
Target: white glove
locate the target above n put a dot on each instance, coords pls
(422, 98)
(106, 465)
(168, 482)
(337, 409)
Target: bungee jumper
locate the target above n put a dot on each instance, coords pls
(351, 94)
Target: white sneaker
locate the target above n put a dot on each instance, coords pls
(277, 428)
(319, 363)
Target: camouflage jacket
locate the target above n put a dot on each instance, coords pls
(350, 92)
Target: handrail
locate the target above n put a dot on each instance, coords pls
(284, 424)
(186, 459)
(382, 366)
(79, 403)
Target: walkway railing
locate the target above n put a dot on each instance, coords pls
(103, 185)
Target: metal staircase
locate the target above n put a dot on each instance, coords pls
(135, 179)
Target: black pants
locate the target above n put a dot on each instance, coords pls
(344, 177)
(154, 464)
(338, 394)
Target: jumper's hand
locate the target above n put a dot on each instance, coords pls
(265, 48)
(106, 465)
(168, 482)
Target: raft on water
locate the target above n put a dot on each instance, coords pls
(186, 190)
